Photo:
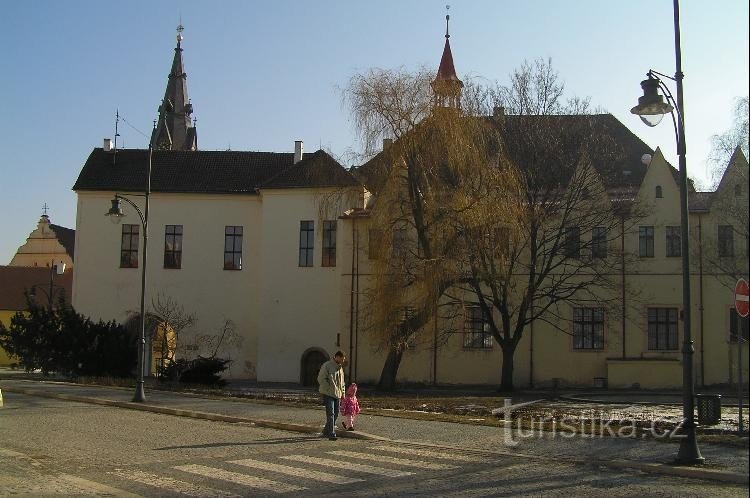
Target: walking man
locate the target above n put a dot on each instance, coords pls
(332, 387)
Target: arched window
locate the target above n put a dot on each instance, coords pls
(738, 190)
(658, 192)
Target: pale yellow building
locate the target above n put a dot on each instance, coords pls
(278, 244)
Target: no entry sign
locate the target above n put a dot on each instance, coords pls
(742, 298)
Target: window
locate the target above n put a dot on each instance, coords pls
(588, 328)
(599, 242)
(658, 192)
(476, 329)
(646, 242)
(374, 243)
(733, 319)
(407, 313)
(173, 246)
(674, 242)
(738, 190)
(306, 243)
(726, 241)
(572, 246)
(662, 329)
(399, 242)
(129, 246)
(329, 243)
(232, 248)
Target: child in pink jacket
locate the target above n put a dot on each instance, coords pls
(350, 407)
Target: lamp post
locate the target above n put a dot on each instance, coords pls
(651, 108)
(115, 213)
(58, 269)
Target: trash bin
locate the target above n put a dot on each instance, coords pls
(709, 408)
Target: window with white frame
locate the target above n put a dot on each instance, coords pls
(173, 246)
(646, 241)
(232, 248)
(329, 243)
(306, 242)
(726, 241)
(599, 242)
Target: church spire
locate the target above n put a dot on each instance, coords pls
(175, 130)
(446, 86)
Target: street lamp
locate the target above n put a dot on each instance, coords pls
(651, 108)
(115, 214)
(58, 269)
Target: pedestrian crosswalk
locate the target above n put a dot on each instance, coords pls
(271, 474)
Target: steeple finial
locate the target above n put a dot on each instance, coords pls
(45, 208)
(180, 29)
(447, 18)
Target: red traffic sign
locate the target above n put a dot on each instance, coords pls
(742, 297)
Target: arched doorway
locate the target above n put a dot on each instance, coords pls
(312, 359)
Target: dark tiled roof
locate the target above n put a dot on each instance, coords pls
(314, 170)
(66, 237)
(14, 280)
(618, 161)
(206, 171)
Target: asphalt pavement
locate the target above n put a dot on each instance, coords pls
(655, 455)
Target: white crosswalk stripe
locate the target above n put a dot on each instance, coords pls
(350, 466)
(237, 478)
(296, 472)
(182, 487)
(428, 453)
(393, 460)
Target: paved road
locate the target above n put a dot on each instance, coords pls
(50, 447)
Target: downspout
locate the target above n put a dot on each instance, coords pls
(531, 350)
(434, 348)
(700, 296)
(622, 274)
(356, 301)
(351, 300)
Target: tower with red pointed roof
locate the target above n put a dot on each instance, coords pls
(175, 130)
(446, 85)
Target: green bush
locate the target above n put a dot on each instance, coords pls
(63, 341)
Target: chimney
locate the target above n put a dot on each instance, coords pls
(498, 113)
(107, 145)
(387, 142)
(297, 151)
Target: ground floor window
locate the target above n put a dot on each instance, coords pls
(662, 329)
(588, 328)
(476, 329)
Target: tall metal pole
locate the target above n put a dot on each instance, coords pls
(140, 395)
(689, 452)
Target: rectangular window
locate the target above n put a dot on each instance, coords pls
(407, 313)
(476, 329)
(646, 242)
(232, 248)
(306, 243)
(726, 241)
(399, 242)
(573, 242)
(329, 243)
(173, 246)
(662, 329)
(374, 243)
(588, 328)
(734, 320)
(599, 242)
(674, 242)
(129, 246)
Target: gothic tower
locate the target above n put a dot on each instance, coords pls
(175, 130)
(446, 86)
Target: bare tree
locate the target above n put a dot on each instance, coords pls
(724, 144)
(166, 320)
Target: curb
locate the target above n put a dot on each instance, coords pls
(690, 472)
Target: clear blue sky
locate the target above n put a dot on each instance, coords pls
(264, 73)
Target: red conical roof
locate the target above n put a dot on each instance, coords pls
(446, 71)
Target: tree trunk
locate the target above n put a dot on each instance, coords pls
(506, 381)
(390, 370)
